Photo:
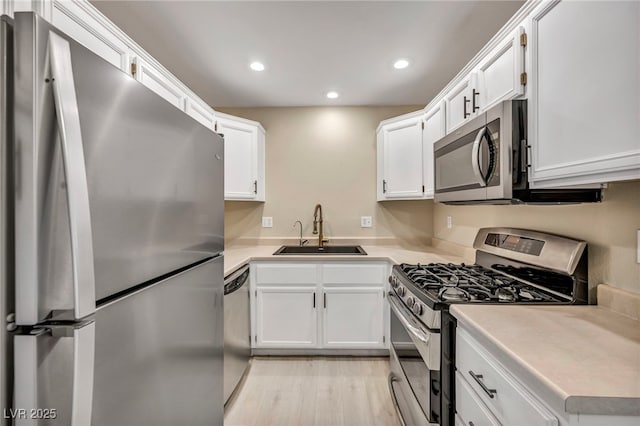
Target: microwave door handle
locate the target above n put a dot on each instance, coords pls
(475, 157)
(67, 114)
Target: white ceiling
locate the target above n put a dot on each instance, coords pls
(311, 47)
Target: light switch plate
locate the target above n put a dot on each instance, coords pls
(449, 222)
(267, 222)
(366, 222)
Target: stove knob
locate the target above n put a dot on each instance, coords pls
(410, 301)
(391, 280)
(401, 291)
(417, 309)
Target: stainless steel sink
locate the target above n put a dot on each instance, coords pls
(352, 250)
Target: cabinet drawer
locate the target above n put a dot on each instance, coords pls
(286, 274)
(470, 409)
(354, 274)
(511, 403)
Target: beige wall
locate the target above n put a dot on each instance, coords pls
(609, 228)
(325, 155)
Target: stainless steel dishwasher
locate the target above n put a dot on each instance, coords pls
(237, 332)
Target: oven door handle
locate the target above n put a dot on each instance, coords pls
(392, 378)
(475, 157)
(406, 319)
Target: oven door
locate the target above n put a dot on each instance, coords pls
(470, 164)
(414, 380)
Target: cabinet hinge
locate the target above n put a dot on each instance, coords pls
(523, 39)
(523, 78)
(134, 68)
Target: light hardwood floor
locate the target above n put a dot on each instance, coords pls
(313, 391)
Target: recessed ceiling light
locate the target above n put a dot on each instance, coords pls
(332, 95)
(257, 66)
(401, 64)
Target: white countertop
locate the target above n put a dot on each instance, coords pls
(235, 257)
(579, 359)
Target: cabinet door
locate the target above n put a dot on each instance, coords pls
(499, 74)
(353, 317)
(585, 87)
(240, 159)
(161, 83)
(88, 27)
(458, 103)
(286, 317)
(434, 129)
(402, 159)
(200, 112)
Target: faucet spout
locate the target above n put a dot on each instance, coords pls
(317, 226)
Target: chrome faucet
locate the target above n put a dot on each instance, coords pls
(302, 242)
(317, 227)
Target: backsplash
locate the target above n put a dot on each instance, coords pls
(609, 228)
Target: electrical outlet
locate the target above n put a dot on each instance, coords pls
(449, 222)
(366, 222)
(267, 222)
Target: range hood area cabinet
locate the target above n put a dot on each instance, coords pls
(244, 157)
(584, 108)
(497, 77)
(405, 154)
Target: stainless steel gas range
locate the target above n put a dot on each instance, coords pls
(512, 266)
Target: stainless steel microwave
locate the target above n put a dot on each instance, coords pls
(486, 162)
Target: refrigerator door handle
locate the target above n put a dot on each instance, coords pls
(68, 118)
(27, 371)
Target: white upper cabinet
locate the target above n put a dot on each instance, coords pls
(400, 158)
(243, 158)
(434, 129)
(500, 74)
(496, 78)
(458, 103)
(200, 112)
(584, 94)
(161, 83)
(93, 31)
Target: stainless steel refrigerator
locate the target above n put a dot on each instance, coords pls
(112, 235)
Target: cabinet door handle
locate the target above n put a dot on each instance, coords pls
(464, 104)
(384, 186)
(255, 186)
(475, 106)
(324, 300)
(478, 379)
(471, 424)
(314, 300)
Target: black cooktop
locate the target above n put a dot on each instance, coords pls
(453, 283)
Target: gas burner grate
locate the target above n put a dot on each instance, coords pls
(473, 283)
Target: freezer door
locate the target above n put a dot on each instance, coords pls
(159, 353)
(53, 376)
(154, 177)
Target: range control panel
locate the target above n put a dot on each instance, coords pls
(515, 243)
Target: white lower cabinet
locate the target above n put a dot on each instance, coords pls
(286, 317)
(353, 317)
(485, 383)
(319, 305)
